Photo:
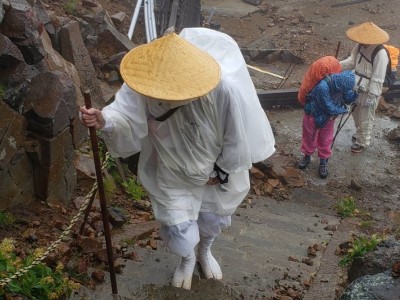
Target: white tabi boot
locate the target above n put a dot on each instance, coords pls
(184, 272)
(208, 263)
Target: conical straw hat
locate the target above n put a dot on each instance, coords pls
(170, 68)
(368, 34)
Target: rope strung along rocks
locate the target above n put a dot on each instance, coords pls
(67, 231)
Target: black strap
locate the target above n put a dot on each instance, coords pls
(374, 52)
(222, 176)
(167, 114)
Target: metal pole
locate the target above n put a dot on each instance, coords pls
(100, 188)
(134, 18)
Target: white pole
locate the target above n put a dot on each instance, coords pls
(146, 20)
(134, 18)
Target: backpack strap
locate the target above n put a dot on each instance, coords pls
(374, 52)
(167, 114)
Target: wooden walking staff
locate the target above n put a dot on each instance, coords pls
(337, 49)
(100, 189)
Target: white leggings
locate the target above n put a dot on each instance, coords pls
(180, 239)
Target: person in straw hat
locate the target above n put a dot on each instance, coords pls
(370, 75)
(189, 105)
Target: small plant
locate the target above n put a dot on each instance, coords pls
(346, 207)
(134, 189)
(360, 247)
(40, 282)
(70, 7)
(366, 224)
(129, 241)
(109, 186)
(6, 219)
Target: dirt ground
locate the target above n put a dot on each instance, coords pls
(309, 30)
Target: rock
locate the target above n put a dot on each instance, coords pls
(88, 245)
(110, 40)
(16, 171)
(118, 265)
(98, 275)
(132, 256)
(118, 18)
(307, 261)
(102, 255)
(116, 216)
(396, 269)
(381, 259)
(20, 24)
(10, 56)
(73, 49)
(381, 286)
(311, 251)
(253, 2)
(256, 173)
(355, 185)
(49, 103)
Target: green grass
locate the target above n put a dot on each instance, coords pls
(346, 207)
(71, 7)
(6, 219)
(360, 246)
(134, 189)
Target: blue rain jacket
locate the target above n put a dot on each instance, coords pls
(330, 97)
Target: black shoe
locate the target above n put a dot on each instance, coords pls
(323, 169)
(357, 148)
(303, 163)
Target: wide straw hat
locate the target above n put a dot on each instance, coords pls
(368, 34)
(170, 68)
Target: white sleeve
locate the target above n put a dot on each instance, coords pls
(378, 73)
(126, 123)
(235, 155)
(350, 62)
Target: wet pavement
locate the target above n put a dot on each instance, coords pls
(266, 245)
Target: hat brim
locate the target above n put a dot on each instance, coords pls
(368, 34)
(170, 68)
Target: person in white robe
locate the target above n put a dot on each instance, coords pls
(370, 75)
(189, 106)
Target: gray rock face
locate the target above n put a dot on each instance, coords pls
(381, 286)
(50, 103)
(39, 124)
(377, 261)
(74, 50)
(21, 25)
(15, 168)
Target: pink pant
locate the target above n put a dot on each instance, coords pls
(317, 138)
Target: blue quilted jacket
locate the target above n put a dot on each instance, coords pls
(328, 98)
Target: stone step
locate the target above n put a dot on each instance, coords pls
(253, 254)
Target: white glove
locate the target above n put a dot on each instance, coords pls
(369, 101)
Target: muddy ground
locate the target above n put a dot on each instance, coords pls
(311, 29)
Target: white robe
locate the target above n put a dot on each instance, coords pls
(227, 127)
